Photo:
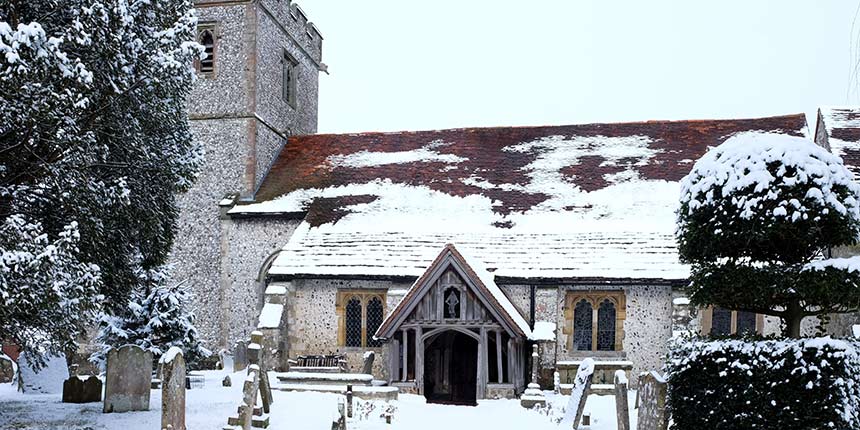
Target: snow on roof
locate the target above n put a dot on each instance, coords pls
(581, 201)
(842, 130)
(543, 331)
(477, 273)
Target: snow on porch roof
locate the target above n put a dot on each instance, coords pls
(477, 274)
(594, 200)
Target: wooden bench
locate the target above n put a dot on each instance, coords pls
(332, 363)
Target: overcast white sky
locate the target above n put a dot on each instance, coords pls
(415, 65)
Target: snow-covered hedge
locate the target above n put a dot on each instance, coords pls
(764, 384)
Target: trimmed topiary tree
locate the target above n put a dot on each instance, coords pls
(758, 217)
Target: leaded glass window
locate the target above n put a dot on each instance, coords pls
(582, 315)
(606, 326)
(721, 322)
(374, 320)
(206, 38)
(353, 322)
(746, 322)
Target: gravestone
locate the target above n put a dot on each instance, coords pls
(578, 395)
(257, 358)
(47, 380)
(240, 356)
(367, 367)
(128, 379)
(7, 369)
(173, 389)
(652, 402)
(82, 389)
(245, 413)
(622, 414)
(556, 383)
(226, 382)
(533, 396)
(338, 421)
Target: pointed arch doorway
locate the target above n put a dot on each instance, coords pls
(451, 367)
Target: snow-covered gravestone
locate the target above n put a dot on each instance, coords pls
(652, 402)
(173, 389)
(247, 410)
(578, 395)
(256, 357)
(621, 412)
(47, 380)
(128, 379)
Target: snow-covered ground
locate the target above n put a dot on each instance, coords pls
(209, 407)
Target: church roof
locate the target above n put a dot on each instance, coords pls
(592, 201)
(475, 274)
(841, 126)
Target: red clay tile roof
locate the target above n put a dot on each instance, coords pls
(303, 163)
(842, 126)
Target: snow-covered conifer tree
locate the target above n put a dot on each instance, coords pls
(94, 147)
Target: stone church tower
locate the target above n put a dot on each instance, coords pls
(258, 86)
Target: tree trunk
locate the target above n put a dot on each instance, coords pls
(793, 317)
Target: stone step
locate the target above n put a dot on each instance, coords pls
(318, 378)
(359, 391)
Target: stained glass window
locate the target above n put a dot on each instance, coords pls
(374, 320)
(746, 322)
(582, 314)
(606, 326)
(452, 303)
(353, 322)
(206, 38)
(721, 322)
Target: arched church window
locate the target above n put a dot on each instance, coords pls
(452, 303)
(606, 326)
(721, 322)
(374, 320)
(746, 322)
(353, 322)
(582, 315)
(206, 37)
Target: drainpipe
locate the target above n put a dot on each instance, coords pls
(532, 306)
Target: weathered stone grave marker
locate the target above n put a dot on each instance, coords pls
(240, 356)
(349, 400)
(256, 357)
(338, 421)
(7, 369)
(578, 395)
(652, 402)
(128, 379)
(367, 366)
(226, 382)
(533, 395)
(621, 412)
(173, 389)
(256, 383)
(82, 389)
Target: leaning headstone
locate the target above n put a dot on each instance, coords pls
(7, 369)
(82, 389)
(240, 356)
(367, 367)
(173, 389)
(256, 358)
(578, 395)
(127, 380)
(533, 396)
(47, 380)
(652, 406)
(622, 414)
(246, 410)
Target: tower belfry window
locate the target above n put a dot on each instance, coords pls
(290, 78)
(206, 37)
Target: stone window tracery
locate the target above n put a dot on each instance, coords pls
(594, 321)
(360, 313)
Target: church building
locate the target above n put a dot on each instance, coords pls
(449, 253)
